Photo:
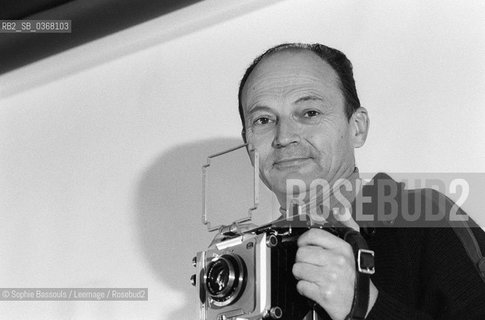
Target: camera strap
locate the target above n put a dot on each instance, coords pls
(364, 264)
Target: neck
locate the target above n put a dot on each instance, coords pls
(325, 200)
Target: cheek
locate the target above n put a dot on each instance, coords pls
(329, 143)
(320, 140)
(262, 143)
(264, 151)
(343, 146)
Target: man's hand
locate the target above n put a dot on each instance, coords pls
(325, 268)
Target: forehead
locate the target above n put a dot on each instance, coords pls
(290, 70)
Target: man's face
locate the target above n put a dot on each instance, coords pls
(295, 118)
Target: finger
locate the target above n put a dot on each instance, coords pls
(313, 255)
(308, 289)
(321, 238)
(329, 262)
(312, 273)
(305, 271)
(321, 275)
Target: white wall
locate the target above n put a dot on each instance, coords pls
(100, 146)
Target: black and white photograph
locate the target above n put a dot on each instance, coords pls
(242, 160)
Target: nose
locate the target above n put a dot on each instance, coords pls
(286, 134)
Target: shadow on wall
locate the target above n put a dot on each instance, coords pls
(169, 215)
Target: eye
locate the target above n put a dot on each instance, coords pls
(262, 121)
(311, 113)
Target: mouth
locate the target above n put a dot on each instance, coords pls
(290, 162)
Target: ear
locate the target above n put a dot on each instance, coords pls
(359, 126)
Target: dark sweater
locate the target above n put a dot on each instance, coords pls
(425, 273)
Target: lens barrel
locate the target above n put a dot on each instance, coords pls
(225, 279)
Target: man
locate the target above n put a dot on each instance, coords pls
(300, 111)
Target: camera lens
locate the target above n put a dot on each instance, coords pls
(225, 279)
(218, 277)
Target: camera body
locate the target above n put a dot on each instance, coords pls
(248, 275)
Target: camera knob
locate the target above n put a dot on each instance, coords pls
(272, 241)
(194, 261)
(193, 280)
(276, 313)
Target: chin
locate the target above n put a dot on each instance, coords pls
(279, 184)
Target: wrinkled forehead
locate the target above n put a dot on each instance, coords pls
(287, 68)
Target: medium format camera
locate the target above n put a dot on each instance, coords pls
(248, 274)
